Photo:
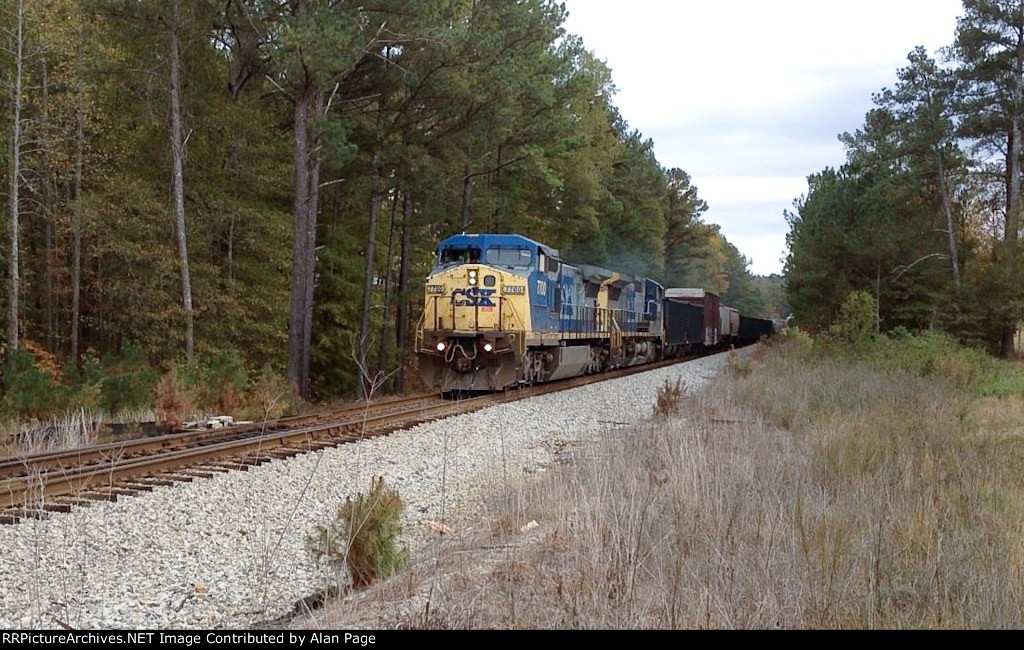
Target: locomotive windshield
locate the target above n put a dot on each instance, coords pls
(470, 255)
(511, 257)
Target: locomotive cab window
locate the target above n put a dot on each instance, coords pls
(470, 255)
(516, 258)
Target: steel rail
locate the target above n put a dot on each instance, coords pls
(108, 466)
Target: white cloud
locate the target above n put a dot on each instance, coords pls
(749, 95)
(751, 189)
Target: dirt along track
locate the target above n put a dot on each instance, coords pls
(36, 485)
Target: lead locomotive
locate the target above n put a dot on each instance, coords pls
(502, 310)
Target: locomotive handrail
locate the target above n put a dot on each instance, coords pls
(517, 319)
(504, 305)
(586, 319)
(580, 319)
(419, 330)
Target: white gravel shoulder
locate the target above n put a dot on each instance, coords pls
(230, 551)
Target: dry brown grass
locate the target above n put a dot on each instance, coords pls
(173, 402)
(70, 430)
(999, 416)
(669, 400)
(883, 505)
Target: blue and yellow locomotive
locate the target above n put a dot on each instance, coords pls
(502, 310)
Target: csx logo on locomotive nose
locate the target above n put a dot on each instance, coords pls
(473, 297)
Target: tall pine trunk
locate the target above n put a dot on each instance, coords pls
(1012, 216)
(15, 170)
(48, 211)
(178, 181)
(947, 209)
(298, 352)
(76, 220)
(402, 311)
(308, 102)
(467, 193)
(371, 244)
(312, 207)
(385, 321)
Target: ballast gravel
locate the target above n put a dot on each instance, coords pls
(230, 551)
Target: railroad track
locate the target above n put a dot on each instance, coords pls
(32, 464)
(34, 486)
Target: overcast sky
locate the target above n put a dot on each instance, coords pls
(748, 96)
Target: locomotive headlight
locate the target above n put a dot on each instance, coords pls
(441, 346)
(472, 276)
(488, 347)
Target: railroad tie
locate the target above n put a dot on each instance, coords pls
(121, 491)
(99, 496)
(245, 462)
(153, 481)
(27, 513)
(281, 453)
(179, 478)
(73, 501)
(199, 473)
(229, 465)
(292, 451)
(57, 507)
(138, 487)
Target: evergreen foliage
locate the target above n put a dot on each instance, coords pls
(858, 320)
(925, 213)
(416, 121)
(364, 536)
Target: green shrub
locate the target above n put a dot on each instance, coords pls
(858, 320)
(224, 380)
(216, 384)
(932, 354)
(30, 390)
(270, 397)
(85, 395)
(34, 386)
(364, 536)
(127, 379)
(797, 336)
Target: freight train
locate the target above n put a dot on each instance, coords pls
(502, 310)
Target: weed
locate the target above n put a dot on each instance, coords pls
(893, 500)
(670, 397)
(737, 365)
(269, 397)
(172, 401)
(364, 536)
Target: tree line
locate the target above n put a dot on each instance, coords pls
(269, 177)
(925, 213)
